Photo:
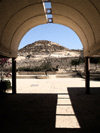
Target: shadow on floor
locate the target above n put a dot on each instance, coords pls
(23, 113)
(86, 108)
(36, 113)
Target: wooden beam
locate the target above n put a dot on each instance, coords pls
(13, 75)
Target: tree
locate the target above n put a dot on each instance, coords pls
(75, 62)
(81, 60)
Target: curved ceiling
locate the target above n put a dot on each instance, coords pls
(17, 17)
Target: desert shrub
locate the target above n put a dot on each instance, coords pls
(75, 62)
(25, 69)
(81, 60)
(45, 66)
(4, 85)
(4, 63)
(28, 69)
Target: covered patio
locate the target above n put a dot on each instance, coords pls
(36, 112)
(18, 17)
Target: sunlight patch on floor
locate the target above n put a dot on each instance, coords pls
(63, 101)
(66, 122)
(65, 115)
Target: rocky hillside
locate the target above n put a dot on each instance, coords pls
(42, 46)
(35, 54)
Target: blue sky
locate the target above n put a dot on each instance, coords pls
(52, 32)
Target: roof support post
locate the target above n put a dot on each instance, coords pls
(87, 75)
(13, 75)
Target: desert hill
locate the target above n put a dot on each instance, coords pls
(44, 47)
(35, 54)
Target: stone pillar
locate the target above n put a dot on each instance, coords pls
(13, 75)
(87, 75)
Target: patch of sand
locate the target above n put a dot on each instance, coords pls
(51, 85)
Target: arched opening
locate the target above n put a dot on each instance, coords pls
(52, 32)
(53, 46)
